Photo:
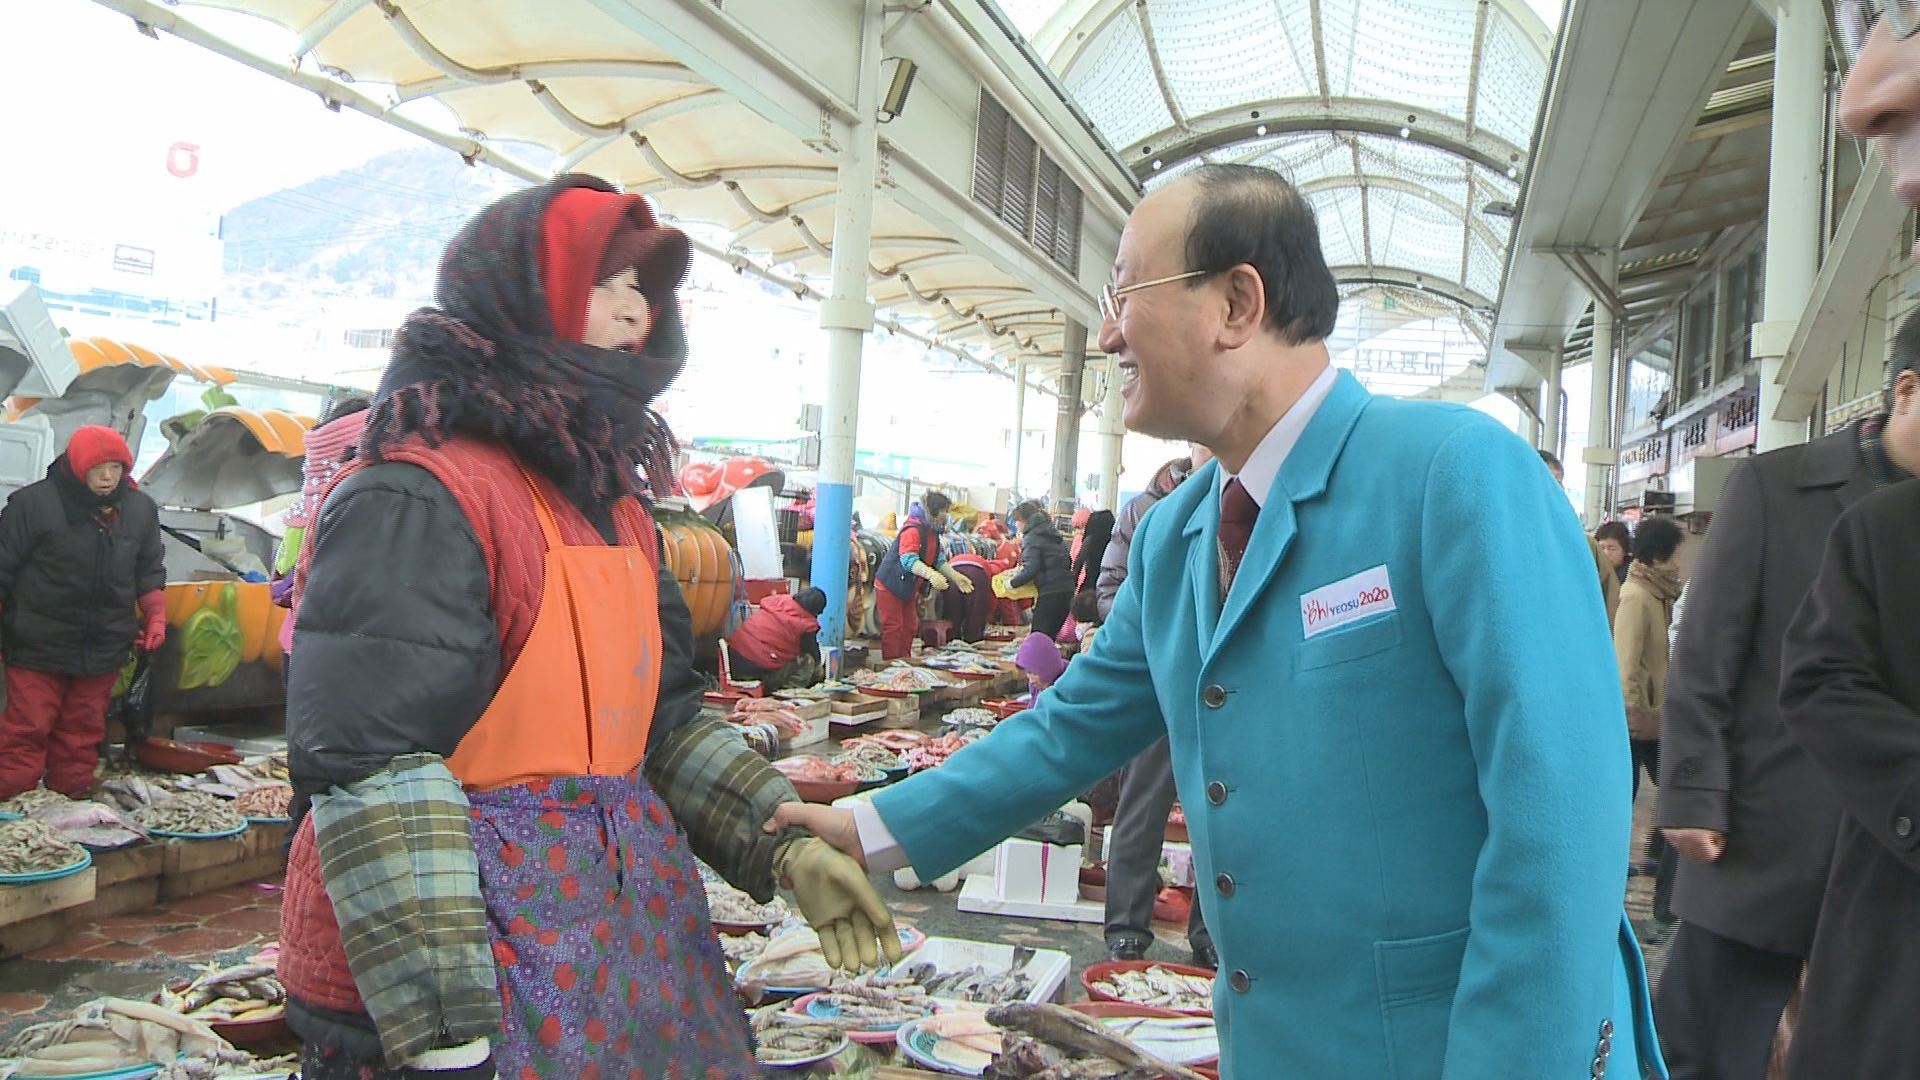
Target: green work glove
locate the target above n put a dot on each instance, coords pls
(838, 901)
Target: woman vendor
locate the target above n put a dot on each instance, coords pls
(494, 707)
(915, 557)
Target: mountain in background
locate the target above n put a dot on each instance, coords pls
(377, 229)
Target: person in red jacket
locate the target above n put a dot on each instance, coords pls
(776, 644)
(81, 583)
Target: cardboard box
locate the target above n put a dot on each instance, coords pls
(857, 709)
(815, 733)
(1028, 871)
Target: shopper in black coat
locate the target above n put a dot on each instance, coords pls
(1739, 799)
(1850, 696)
(81, 582)
(1046, 565)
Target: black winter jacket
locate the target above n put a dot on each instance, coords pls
(70, 583)
(1045, 562)
(371, 679)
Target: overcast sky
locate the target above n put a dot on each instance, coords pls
(89, 106)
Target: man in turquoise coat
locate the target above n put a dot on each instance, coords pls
(1399, 738)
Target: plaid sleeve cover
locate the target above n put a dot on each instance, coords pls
(722, 792)
(400, 869)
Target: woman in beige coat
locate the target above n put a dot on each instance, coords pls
(1640, 639)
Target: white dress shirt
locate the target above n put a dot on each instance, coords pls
(1262, 468)
(1263, 465)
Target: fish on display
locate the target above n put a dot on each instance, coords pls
(1059, 1044)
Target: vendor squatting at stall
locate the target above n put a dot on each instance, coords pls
(494, 873)
(81, 581)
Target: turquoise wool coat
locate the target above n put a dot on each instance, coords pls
(1401, 748)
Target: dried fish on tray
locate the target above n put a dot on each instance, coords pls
(975, 983)
(1056, 1042)
(782, 1039)
(742, 949)
(267, 801)
(94, 824)
(28, 801)
(899, 679)
(33, 847)
(869, 755)
(971, 718)
(191, 814)
(735, 908)
(1158, 986)
(869, 1009)
(237, 994)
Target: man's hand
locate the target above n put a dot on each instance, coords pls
(836, 827)
(1700, 845)
(838, 901)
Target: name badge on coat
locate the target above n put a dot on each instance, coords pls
(1348, 600)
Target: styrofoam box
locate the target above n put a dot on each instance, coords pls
(1048, 969)
(1028, 871)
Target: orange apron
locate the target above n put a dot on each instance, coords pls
(579, 699)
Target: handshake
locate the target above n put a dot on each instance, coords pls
(828, 875)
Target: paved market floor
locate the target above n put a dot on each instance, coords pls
(133, 955)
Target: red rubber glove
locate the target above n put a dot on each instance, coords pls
(153, 606)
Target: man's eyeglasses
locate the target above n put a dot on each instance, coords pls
(1857, 18)
(1111, 294)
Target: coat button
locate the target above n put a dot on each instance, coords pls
(1688, 769)
(1605, 1048)
(1224, 883)
(1903, 827)
(1215, 696)
(1240, 981)
(1216, 793)
(1606, 1029)
(1599, 1068)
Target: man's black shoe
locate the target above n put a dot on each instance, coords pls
(1206, 956)
(1127, 948)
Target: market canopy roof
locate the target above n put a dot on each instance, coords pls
(1402, 120)
(733, 120)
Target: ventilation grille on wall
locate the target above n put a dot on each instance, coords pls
(1025, 188)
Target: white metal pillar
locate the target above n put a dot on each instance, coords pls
(1550, 408)
(1793, 199)
(1602, 450)
(1113, 433)
(847, 316)
(1066, 433)
(1019, 420)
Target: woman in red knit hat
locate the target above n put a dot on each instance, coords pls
(81, 582)
(493, 704)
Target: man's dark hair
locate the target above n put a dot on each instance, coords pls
(1906, 353)
(1029, 510)
(1552, 461)
(812, 600)
(1657, 539)
(935, 503)
(1615, 531)
(1246, 214)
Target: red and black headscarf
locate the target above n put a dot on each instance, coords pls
(499, 354)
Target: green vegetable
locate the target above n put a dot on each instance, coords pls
(211, 643)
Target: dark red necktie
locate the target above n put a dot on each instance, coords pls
(1238, 512)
